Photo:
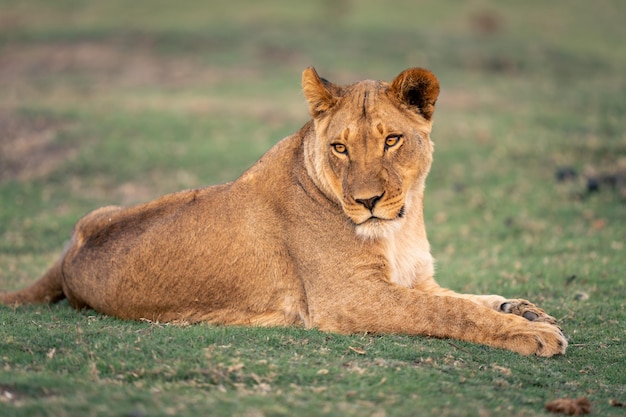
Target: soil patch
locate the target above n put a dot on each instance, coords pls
(106, 64)
(28, 149)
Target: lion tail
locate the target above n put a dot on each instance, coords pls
(48, 289)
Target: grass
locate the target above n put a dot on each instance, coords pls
(107, 103)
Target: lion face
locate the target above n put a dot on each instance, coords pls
(372, 150)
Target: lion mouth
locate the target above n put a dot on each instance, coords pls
(377, 219)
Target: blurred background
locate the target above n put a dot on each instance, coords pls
(118, 102)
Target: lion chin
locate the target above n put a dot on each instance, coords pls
(377, 228)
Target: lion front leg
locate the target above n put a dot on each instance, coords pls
(400, 310)
(518, 307)
(523, 327)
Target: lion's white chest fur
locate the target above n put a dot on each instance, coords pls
(407, 247)
(405, 244)
(409, 258)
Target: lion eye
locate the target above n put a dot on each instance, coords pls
(340, 148)
(392, 141)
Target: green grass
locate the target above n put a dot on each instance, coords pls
(113, 103)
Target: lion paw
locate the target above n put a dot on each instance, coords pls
(528, 310)
(545, 340)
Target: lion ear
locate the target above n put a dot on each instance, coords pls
(417, 88)
(320, 94)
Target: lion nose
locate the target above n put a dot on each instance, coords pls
(369, 203)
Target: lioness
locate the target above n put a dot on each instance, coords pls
(326, 230)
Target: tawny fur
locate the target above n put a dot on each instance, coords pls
(326, 230)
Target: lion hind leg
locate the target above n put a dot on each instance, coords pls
(94, 222)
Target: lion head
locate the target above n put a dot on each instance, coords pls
(372, 149)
